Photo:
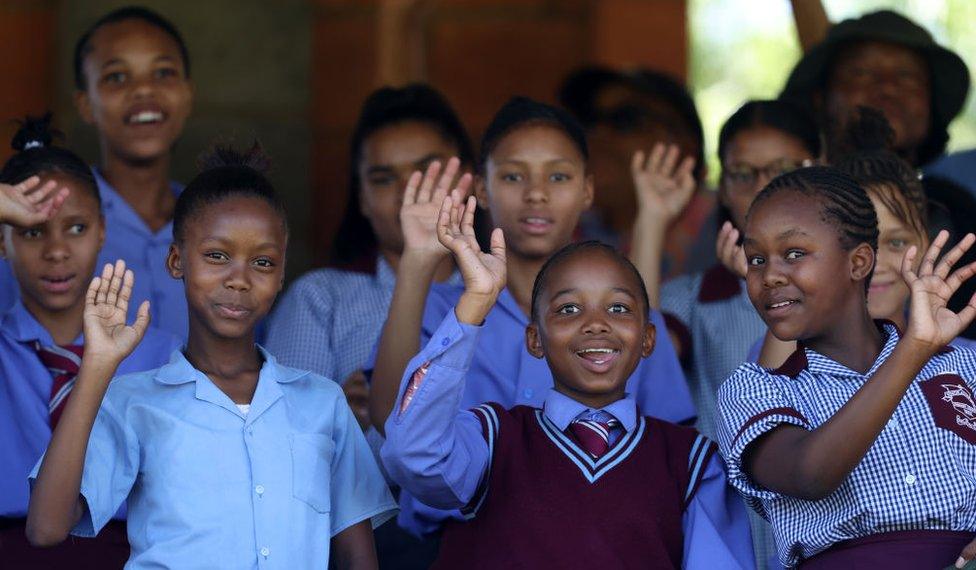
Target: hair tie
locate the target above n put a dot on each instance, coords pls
(33, 144)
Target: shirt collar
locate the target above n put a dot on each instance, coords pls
(719, 284)
(112, 199)
(25, 328)
(804, 358)
(179, 370)
(562, 410)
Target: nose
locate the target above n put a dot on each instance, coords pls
(773, 275)
(143, 86)
(596, 323)
(56, 249)
(536, 192)
(237, 277)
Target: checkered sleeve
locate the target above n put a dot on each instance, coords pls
(751, 403)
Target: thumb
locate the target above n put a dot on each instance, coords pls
(142, 320)
(498, 243)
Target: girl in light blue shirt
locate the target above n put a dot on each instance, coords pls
(224, 457)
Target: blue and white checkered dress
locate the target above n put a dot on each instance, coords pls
(919, 475)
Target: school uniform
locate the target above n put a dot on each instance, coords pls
(532, 497)
(209, 485)
(910, 503)
(25, 419)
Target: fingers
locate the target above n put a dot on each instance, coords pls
(497, 244)
(410, 192)
(104, 284)
(427, 184)
(670, 160)
(463, 188)
(444, 222)
(637, 162)
(118, 275)
(960, 276)
(907, 263)
(954, 255)
(656, 157)
(32, 193)
(928, 262)
(685, 172)
(142, 320)
(444, 183)
(93, 287)
(967, 554)
(467, 221)
(27, 185)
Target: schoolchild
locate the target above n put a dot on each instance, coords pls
(583, 480)
(225, 458)
(858, 448)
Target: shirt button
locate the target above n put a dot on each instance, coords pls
(265, 551)
(528, 392)
(910, 479)
(259, 489)
(445, 341)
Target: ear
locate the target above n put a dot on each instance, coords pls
(588, 189)
(83, 105)
(533, 340)
(650, 338)
(481, 192)
(174, 263)
(862, 262)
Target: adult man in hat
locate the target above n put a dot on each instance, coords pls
(886, 61)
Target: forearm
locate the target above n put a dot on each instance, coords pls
(353, 548)
(813, 464)
(55, 504)
(812, 23)
(646, 247)
(400, 338)
(775, 351)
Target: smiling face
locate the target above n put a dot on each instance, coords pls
(888, 293)
(535, 186)
(388, 157)
(591, 327)
(801, 280)
(137, 93)
(232, 261)
(54, 261)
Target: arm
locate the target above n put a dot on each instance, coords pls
(353, 548)
(774, 351)
(29, 203)
(812, 23)
(422, 254)
(432, 451)
(715, 523)
(812, 464)
(664, 187)
(55, 503)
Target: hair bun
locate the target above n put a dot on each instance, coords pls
(869, 131)
(224, 155)
(34, 132)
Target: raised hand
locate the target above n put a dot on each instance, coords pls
(729, 252)
(484, 273)
(108, 339)
(664, 185)
(930, 321)
(422, 200)
(30, 203)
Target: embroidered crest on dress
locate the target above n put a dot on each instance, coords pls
(952, 404)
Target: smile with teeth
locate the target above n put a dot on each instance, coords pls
(781, 304)
(594, 354)
(145, 117)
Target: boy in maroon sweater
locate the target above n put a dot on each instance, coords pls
(584, 481)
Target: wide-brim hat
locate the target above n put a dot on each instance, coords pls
(949, 74)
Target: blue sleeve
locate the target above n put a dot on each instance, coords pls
(716, 524)
(111, 466)
(659, 384)
(300, 328)
(358, 490)
(436, 453)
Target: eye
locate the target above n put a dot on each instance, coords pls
(618, 308)
(568, 309)
(77, 229)
(217, 256)
(166, 73)
(31, 233)
(755, 260)
(264, 263)
(114, 77)
(897, 243)
(381, 180)
(511, 177)
(559, 177)
(794, 254)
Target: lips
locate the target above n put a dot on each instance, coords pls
(780, 307)
(536, 224)
(597, 359)
(232, 311)
(57, 283)
(145, 115)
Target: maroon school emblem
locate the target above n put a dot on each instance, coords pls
(952, 404)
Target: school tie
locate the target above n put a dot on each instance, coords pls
(63, 363)
(593, 436)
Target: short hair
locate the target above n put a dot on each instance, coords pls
(844, 203)
(83, 47)
(36, 156)
(776, 114)
(384, 107)
(226, 173)
(573, 249)
(521, 112)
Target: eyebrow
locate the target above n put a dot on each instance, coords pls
(792, 232)
(547, 163)
(569, 290)
(118, 61)
(222, 240)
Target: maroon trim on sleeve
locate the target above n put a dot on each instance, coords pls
(796, 363)
(775, 411)
(718, 284)
(711, 449)
(683, 334)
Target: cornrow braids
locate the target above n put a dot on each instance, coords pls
(556, 259)
(844, 203)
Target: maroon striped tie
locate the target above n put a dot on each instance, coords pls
(63, 363)
(593, 436)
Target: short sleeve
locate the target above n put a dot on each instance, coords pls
(300, 328)
(751, 403)
(358, 490)
(111, 466)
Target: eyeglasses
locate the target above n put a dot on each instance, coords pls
(739, 175)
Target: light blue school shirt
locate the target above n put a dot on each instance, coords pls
(210, 487)
(503, 371)
(441, 454)
(128, 237)
(25, 390)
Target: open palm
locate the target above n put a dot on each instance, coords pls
(664, 185)
(30, 203)
(483, 273)
(107, 336)
(422, 200)
(930, 320)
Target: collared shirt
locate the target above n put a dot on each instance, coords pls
(25, 390)
(329, 320)
(210, 487)
(441, 455)
(503, 371)
(918, 475)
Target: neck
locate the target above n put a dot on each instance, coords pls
(592, 401)
(856, 342)
(522, 272)
(143, 185)
(444, 269)
(64, 326)
(222, 358)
